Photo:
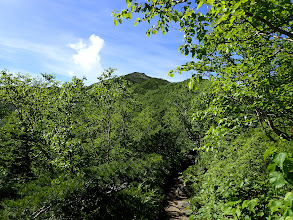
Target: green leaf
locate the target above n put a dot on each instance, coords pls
(268, 152)
(115, 22)
(236, 6)
(289, 196)
(238, 212)
(136, 21)
(245, 204)
(271, 167)
(250, 204)
(191, 84)
(274, 206)
(199, 5)
(260, 214)
(277, 179)
(128, 3)
(279, 159)
(228, 210)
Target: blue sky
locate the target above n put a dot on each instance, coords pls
(78, 38)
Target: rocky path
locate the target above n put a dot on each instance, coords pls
(177, 204)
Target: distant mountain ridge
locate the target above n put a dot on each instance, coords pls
(141, 82)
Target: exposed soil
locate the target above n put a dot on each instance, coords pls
(177, 206)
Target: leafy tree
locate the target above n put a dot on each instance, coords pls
(66, 117)
(112, 99)
(24, 131)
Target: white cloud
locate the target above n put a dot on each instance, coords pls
(87, 56)
(56, 58)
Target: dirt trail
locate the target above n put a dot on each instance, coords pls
(177, 204)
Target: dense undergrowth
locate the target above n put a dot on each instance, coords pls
(232, 181)
(116, 190)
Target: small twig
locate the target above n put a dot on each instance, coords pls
(43, 209)
(122, 187)
(179, 1)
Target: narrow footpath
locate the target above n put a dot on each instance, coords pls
(177, 203)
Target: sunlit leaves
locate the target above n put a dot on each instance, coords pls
(128, 3)
(285, 173)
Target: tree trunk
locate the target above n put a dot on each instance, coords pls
(108, 137)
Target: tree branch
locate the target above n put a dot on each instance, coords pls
(276, 29)
(267, 34)
(276, 130)
(263, 128)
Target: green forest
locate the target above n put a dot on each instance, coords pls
(110, 150)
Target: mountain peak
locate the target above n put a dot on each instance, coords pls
(136, 77)
(143, 83)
